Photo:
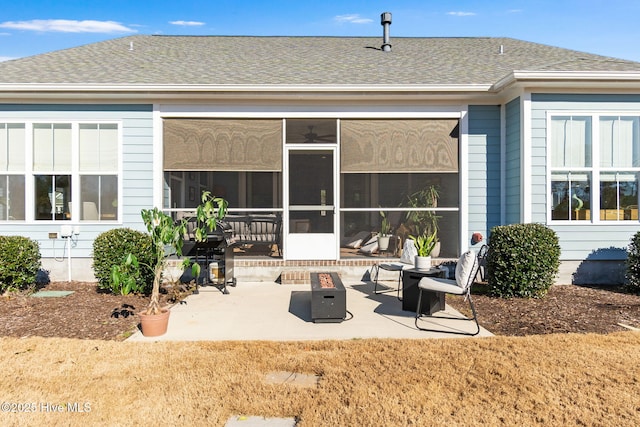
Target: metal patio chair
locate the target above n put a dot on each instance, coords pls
(466, 271)
(396, 266)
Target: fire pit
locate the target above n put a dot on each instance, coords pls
(328, 298)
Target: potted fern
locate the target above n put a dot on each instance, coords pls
(167, 236)
(425, 243)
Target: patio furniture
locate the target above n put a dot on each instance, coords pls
(328, 298)
(466, 271)
(406, 262)
(432, 301)
(394, 267)
(482, 261)
(256, 229)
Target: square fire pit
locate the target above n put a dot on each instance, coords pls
(328, 298)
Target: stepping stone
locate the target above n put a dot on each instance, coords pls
(244, 421)
(284, 377)
(51, 294)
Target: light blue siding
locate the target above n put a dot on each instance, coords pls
(513, 169)
(484, 168)
(137, 177)
(580, 241)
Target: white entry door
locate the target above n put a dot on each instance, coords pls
(310, 223)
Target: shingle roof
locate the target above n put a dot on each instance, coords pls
(334, 61)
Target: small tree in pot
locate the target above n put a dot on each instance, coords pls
(168, 238)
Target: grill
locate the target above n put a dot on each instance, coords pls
(215, 257)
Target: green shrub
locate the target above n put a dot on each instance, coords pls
(522, 261)
(19, 263)
(126, 277)
(633, 264)
(112, 247)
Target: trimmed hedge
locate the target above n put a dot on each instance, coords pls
(19, 263)
(522, 261)
(112, 247)
(633, 264)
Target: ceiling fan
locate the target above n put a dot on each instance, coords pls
(311, 137)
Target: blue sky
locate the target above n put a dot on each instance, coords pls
(606, 27)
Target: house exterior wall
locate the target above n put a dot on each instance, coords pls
(582, 243)
(484, 169)
(513, 164)
(489, 158)
(136, 176)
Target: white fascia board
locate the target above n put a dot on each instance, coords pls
(540, 77)
(36, 87)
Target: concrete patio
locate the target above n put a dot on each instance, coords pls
(272, 311)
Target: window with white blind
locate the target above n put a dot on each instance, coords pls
(98, 166)
(595, 161)
(52, 168)
(12, 169)
(66, 171)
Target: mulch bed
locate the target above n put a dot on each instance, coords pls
(89, 313)
(566, 308)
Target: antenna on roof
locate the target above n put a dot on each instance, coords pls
(130, 45)
(385, 20)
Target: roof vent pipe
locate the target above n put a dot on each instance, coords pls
(385, 20)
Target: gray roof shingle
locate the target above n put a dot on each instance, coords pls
(331, 61)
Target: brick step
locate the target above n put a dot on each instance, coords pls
(295, 277)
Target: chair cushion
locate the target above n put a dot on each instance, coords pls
(409, 252)
(354, 242)
(371, 246)
(465, 268)
(438, 284)
(394, 266)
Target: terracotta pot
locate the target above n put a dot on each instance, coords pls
(154, 325)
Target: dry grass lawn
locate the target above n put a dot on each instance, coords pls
(560, 379)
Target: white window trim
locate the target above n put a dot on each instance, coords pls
(594, 170)
(526, 159)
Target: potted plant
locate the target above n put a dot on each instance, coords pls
(385, 233)
(425, 243)
(167, 236)
(424, 222)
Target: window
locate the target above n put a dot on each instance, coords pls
(243, 190)
(46, 167)
(98, 171)
(51, 154)
(12, 147)
(595, 161)
(53, 197)
(12, 167)
(406, 170)
(11, 197)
